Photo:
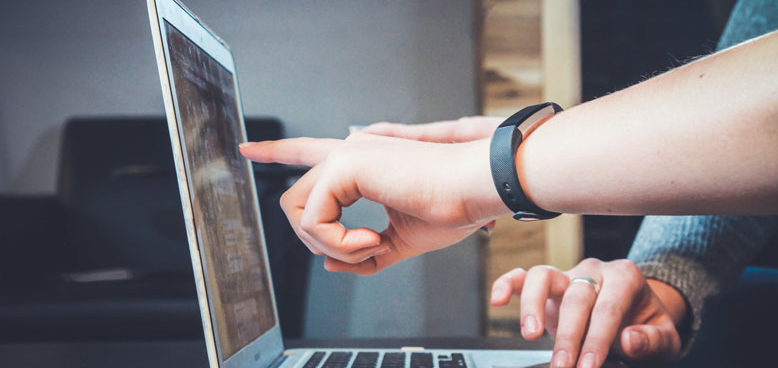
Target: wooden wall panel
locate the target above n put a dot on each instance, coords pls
(515, 48)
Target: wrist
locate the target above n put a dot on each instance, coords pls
(506, 159)
(480, 199)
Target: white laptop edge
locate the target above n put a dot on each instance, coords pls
(269, 346)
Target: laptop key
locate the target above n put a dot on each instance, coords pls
(314, 360)
(421, 360)
(393, 360)
(365, 360)
(337, 359)
(459, 360)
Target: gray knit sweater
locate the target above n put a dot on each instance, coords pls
(702, 256)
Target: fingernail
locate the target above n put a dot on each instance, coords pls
(561, 359)
(637, 341)
(530, 325)
(244, 144)
(588, 361)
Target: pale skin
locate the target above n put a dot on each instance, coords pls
(634, 317)
(700, 139)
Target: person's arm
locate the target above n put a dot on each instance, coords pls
(697, 140)
(700, 139)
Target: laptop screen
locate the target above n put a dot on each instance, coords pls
(223, 202)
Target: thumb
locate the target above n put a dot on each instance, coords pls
(659, 342)
(373, 264)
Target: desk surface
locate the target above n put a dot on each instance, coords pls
(192, 353)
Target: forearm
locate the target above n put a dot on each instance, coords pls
(702, 138)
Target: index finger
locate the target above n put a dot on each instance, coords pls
(290, 151)
(622, 287)
(450, 131)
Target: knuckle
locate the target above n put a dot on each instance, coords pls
(361, 136)
(271, 148)
(514, 274)
(353, 137)
(307, 224)
(284, 200)
(634, 282)
(340, 160)
(540, 271)
(625, 266)
(628, 273)
(339, 154)
(467, 119)
(590, 262)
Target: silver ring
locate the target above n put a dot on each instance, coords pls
(586, 280)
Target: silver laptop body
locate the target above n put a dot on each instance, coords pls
(223, 223)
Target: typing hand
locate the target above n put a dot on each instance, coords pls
(434, 194)
(634, 316)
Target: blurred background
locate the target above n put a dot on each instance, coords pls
(91, 232)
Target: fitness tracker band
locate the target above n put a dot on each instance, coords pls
(502, 158)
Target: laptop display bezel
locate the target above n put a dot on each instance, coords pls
(266, 348)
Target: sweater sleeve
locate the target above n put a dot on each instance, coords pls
(700, 256)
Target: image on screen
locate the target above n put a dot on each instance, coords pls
(226, 222)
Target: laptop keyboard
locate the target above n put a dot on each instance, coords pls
(365, 360)
(314, 360)
(393, 360)
(341, 359)
(337, 359)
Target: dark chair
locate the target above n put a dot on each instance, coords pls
(106, 257)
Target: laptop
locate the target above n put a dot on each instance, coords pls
(223, 224)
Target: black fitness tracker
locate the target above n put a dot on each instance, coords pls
(502, 158)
